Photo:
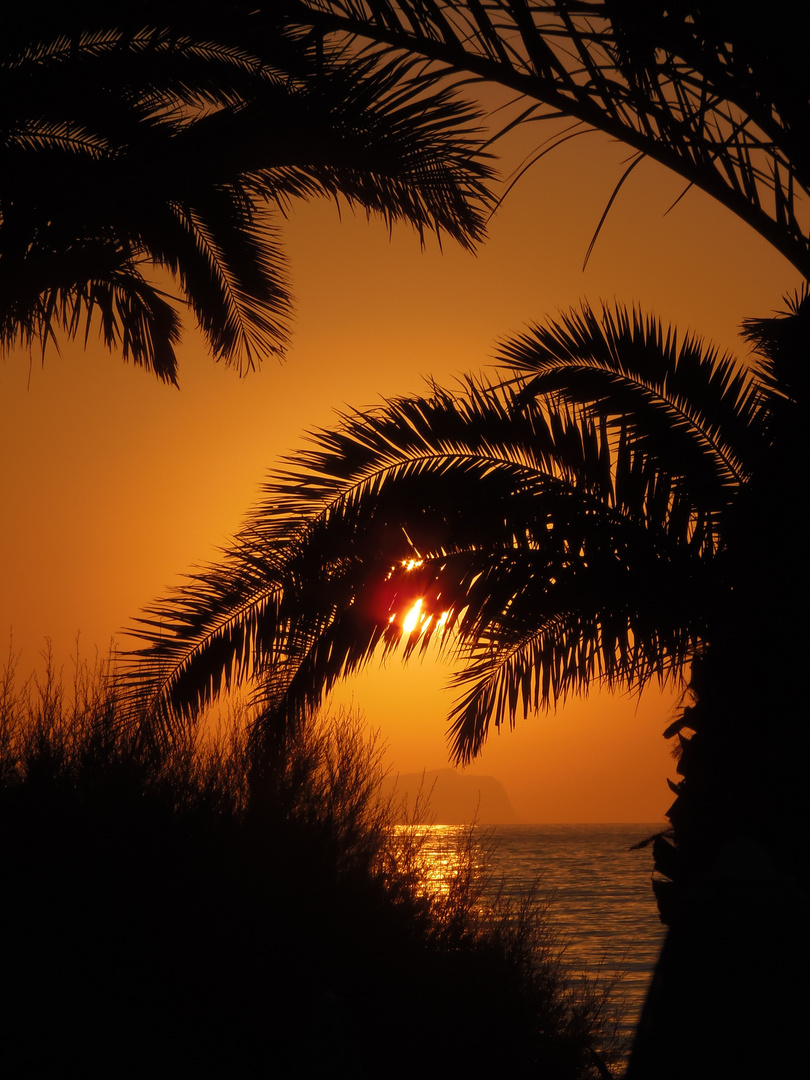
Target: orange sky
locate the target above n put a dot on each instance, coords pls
(113, 484)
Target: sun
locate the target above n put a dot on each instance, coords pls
(423, 613)
(412, 619)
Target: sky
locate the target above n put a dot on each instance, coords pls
(113, 485)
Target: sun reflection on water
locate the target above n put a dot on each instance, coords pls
(443, 855)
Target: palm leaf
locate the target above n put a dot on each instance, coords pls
(720, 98)
(697, 411)
(165, 136)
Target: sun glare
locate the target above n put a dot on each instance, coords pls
(418, 618)
(412, 619)
(445, 854)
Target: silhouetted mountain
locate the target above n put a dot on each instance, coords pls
(452, 798)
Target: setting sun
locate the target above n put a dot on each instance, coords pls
(412, 619)
(419, 617)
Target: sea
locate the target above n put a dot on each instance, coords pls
(598, 889)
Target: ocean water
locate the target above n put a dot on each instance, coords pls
(599, 890)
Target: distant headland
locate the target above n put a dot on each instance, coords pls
(447, 797)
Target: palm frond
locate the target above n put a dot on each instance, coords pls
(781, 344)
(720, 97)
(82, 290)
(167, 135)
(697, 411)
(386, 138)
(231, 270)
(134, 317)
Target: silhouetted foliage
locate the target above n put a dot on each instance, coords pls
(615, 543)
(717, 92)
(568, 516)
(607, 512)
(149, 146)
(163, 916)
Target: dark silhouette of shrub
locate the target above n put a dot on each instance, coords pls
(162, 919)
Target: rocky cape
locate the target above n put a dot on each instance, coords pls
(448, 797)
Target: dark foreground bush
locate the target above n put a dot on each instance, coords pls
(160, 919)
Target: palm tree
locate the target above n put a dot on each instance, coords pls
(152, 144)
(593, 516)
(507, 505)
(720, 95)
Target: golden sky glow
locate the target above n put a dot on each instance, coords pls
(113, 485)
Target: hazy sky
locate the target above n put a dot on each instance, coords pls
(113, 484)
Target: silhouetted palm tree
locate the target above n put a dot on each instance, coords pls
(145, 143)
(521, 507)
(718, 93)
(608, 512)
